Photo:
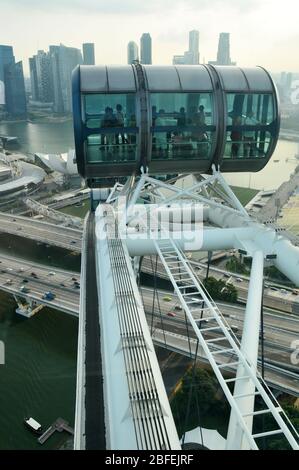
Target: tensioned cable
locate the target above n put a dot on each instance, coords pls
(156, 295)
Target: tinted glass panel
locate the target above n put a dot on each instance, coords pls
(182, 126)
(250, 120)
(110, 121)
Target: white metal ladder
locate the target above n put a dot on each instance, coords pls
(201, 309)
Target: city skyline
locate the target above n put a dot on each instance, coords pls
(272, 43)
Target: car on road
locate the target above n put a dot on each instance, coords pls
(8, 282)
(62, 284)
(171, 314)
(74, 279)
(76, 285)
(178, 308)
(24, 281)
(51, 273)
(49, 296)
(238, 279)
(73, 242)
(167, 298)
(24, 289)
(34, 275)
(274, 289)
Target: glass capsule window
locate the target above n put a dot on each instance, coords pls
(110, 128)
(250, 125)
(182, 126)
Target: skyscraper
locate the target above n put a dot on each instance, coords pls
(12, 86)
(63, 61)
(33, 78)
(41, 77)
(190, 57)
(194, 46)
(132, 51)
(223, 53)
(88, 54)
(146, 49)
(6, 58)
(15, 95)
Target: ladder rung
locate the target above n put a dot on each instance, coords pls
(187, 287)
(243, 395)
(228, 364)
(268, 433)
(222, 351)
(192, 293)
(211, 328)
(213, 340)
(181, 278)
(237, 378)
(261, 412)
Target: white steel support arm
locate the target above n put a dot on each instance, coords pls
(249, 348)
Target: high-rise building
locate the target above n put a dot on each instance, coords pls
(33, 78)
(146, 49)
(190, 57)
(223, 53)
(194, 46)
(12, 86)
(88, 54)
(15, 95)
(51, 75)
(132, 51)
(41, 77)
(6, 58)
(63, 61)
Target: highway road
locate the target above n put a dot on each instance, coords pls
(276, 377)
(57, 235)
(274, 297)
(71, 239)
(280, 328)
(15, 272)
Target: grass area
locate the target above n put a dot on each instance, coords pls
(77, 211)
(244, 194)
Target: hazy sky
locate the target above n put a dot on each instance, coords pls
(263, 32)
